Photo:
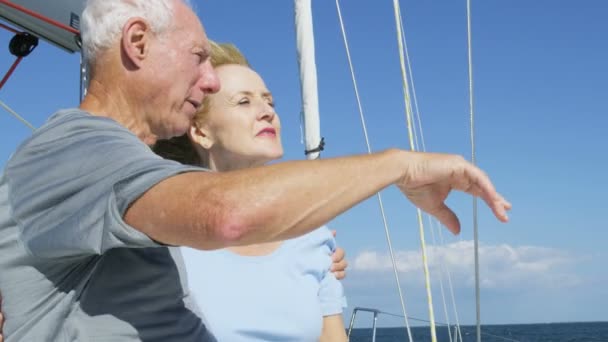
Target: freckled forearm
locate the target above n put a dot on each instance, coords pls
(270, 203)
(289, 199)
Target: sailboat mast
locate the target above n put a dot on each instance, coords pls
(308, 78)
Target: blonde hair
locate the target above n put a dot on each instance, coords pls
(180, 148)
(221, 54)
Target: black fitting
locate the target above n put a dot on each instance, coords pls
(319, 148)
(22, 44)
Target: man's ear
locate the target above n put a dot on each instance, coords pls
(201, 136)
(136, 34)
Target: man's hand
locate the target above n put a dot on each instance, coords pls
(339, 264)
(430, 177)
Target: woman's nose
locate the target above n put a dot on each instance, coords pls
(267, 113)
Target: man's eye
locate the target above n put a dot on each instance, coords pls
(202, 57)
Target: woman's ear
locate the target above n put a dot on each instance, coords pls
(201, 136)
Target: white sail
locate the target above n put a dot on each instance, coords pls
(308, 76)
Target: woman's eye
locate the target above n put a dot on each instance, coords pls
(244, 101)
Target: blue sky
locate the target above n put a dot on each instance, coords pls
(540, 89)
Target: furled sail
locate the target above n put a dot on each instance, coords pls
(308, 78)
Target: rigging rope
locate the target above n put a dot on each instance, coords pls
(443, 267)
(17, 116)
(369, 150)
(21, 45)
(10, 71)
(408, 110)
(445, 308)
(451, 289)
(473, 160)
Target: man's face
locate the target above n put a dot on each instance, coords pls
(181, 70)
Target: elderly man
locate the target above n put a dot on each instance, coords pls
(88, 214)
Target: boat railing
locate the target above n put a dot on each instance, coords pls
(376, 313)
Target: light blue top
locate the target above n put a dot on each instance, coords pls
(281, 296)
(70, 268)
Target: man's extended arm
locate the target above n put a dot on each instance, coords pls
(216, 210)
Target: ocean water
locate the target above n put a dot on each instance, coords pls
(549, 332)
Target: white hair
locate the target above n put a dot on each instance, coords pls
(102, 21)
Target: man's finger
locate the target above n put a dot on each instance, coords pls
(340, 275)
(498, 204)
(479, 180)
(500, 210)
(447, 217)
(481, 186)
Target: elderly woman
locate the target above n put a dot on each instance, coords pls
(276, 291)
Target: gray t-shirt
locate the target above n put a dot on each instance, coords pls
(70, 268)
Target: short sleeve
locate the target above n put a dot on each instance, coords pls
(331, 291)
(72, 181)
(331, 295)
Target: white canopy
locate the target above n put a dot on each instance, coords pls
(66, 12)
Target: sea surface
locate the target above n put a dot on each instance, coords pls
(549, 332)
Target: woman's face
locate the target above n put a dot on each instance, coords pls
(241, 128)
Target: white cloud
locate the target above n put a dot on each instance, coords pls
(501, 266)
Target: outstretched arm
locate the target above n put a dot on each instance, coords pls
(284, 200)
